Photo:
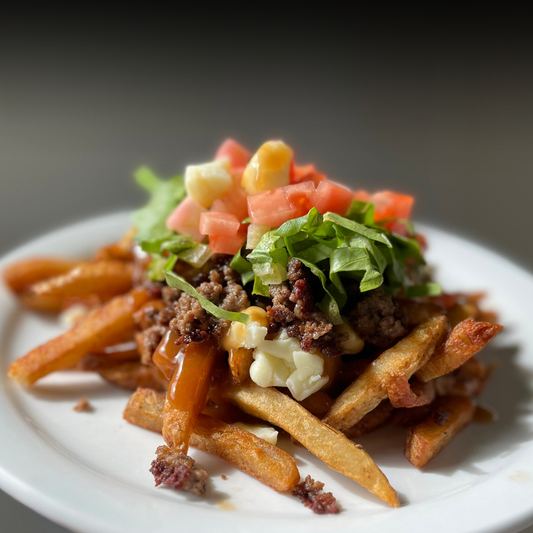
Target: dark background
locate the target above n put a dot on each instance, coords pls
(444, 114)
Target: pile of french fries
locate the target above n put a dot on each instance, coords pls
(427, 382)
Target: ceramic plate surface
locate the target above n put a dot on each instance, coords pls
(89, 471)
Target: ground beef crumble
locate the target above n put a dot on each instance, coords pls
(377, 320)
(177, 470)
(312, 496)
(293, 308)
(220, 286)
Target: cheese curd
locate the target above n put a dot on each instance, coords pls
(277, 363)
(263, 432)
(208, 182)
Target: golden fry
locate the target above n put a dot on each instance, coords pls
(465, 340)
(132, 375)
(401, 361)
(468, 380)
(21, 275)
(253, 455)
(318, 404)
(42, 303)
(121, 250)
(102, 327)
(328, 444)
(104, 279)
(428, 438)
(240, 360)
(371, 421)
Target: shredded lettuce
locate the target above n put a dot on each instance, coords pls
(177, 282)
(150, 220)
(335, 249)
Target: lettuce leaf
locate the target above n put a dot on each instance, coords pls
(150, 220)
(337, 248)
(177, 282)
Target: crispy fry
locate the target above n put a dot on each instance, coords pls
(105, 279)
(21, 275)
(253, 455)
(402, 360)
(132, 375)
(415, 313)
(121, 250)
(468, 380)
(371, 421)
(240, 360)
(428, 438)
(103, 327)
(461, 311)
(403, 394)
(113, 355)
(42, 303)
(188, 388)
(465, 340)
(318, 404)
(329, 445)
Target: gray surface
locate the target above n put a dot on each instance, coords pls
(449, 119)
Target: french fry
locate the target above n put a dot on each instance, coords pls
(240, 360)
(371, 421)
(102, 327)
(188, 388)
(121, 250)
(329, 445)
(104, 279)
(318, 404)
(21, 275)
(42, 303)
(253, 455)
(132, 375)
(403, 394)
(429, 437)
(467, 380)
(111, 356)
(465, 340)
(401, 361)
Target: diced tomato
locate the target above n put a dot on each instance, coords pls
(223, 244)
(234, 202)
(273, 208)
(186, 218)
(219, 224)
(300, 196)
(331, 196)
(362, 196)
(237, 154)
(391, 205)
(307, 173)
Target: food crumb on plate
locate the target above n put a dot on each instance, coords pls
(83, 405)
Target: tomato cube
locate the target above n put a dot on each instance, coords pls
(331, 196)
(307, 173)
(223, 244)
(391, 205)
(186, 218)
(237, 154)
(219, 224)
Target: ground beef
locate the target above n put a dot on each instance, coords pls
(311, 494)
(177, 470)
(191, 322)
(148, 341)
(293, 308)
(377, 320)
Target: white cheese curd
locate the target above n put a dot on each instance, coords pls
(263, 432)
(282, 363)
(208, 182)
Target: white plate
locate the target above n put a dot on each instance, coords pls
(89, 471)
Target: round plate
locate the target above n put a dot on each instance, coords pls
(89, 471)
